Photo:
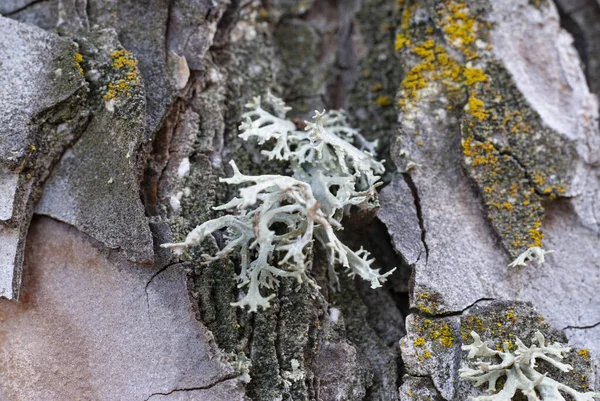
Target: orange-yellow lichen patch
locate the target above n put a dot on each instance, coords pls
(482, 153)
(538, 178)
(477, 108)
(419, 342)
(584, 353)
(401, 41)
(125, 64)
(78, 61)
(474, 75)
(406, 17)
(509, 344)
(460, 28)
(536, 237)
(466, 145)
(123, 58)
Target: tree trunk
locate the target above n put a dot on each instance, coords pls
(119, 117)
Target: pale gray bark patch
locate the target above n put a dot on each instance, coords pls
(89, 326)
(95, 186)
(41, 98)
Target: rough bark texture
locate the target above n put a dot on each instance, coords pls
(118, 117)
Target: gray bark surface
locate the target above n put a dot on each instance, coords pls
(118, 117)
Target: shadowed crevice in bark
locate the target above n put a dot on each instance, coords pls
(189, 389)
(415, 193)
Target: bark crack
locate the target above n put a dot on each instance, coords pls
(457, 313)
(415, 194)
(146, 291)
(591, 326)
(186, 389)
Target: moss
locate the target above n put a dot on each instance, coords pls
(300, 78)
(379, 75)
(513, 209)
(532, 161)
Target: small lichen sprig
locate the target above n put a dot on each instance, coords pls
(329, 176)
(520, 371)
(532, 254)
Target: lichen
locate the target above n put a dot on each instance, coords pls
(78, 61)
(519, 368)
(435, 331)
(534, 253)
(515, 161)
(330, 175)
(584, 353)
(124, 65)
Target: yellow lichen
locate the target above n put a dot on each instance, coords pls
(78, 61)
(123, 58)
(126, 65)
(406, 16)
(401, 41)
(536, 237)
(511, 316)
(383, 101)
(466, 145)
(477, 108)
(538, 178)
(509, 343)
(474, 75)
(447, 336)
(584, 353)
(419, 342)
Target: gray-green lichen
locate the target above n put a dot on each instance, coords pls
(432, 348)
(504, 322)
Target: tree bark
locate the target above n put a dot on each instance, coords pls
(118, 118)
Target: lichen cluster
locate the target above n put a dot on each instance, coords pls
(514, 159)
(124, 64)
(78, 61)
(520, 370)
(276, 219)
(516, 162)
(433, 335)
